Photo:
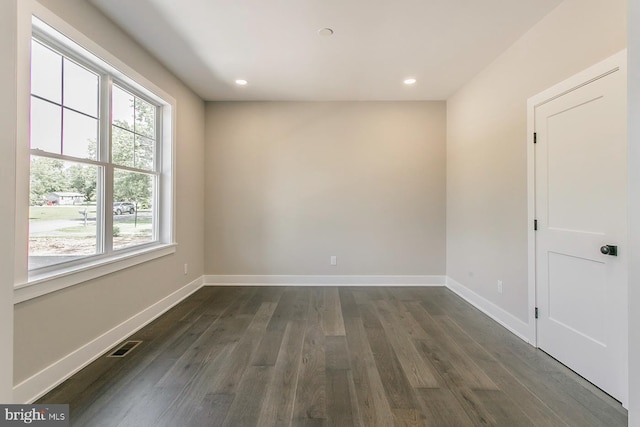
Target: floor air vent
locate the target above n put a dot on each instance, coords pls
(124, 349)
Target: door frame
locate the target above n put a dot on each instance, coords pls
(601, 69)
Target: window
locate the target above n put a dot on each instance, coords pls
(133, 153)
(100, 150)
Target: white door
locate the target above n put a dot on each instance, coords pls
(581, 207)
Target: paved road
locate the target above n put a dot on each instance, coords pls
(53, 225)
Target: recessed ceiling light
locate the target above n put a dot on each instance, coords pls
(410, 81)
(241, 82)
(325, 32)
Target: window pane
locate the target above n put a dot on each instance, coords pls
(46, 73)
(80, 135)
(133, 210)
(122, 108)
(145, 118)
(122, 146)
(81, 88)
(62, 212)
(46, 123)
(145, 149)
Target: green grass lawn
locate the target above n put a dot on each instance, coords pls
(82, 230)
(129, 219)
(125, 226)
(48, 213)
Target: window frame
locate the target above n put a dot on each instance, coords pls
(49, 30)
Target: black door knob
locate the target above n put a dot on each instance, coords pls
(609, 250)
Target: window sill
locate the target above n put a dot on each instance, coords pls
(38, 285)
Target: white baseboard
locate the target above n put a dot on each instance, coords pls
(44, 381)
(273, 280)
(506, 319)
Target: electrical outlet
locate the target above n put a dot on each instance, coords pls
(186, 269)
(334, 260)
(499, 286)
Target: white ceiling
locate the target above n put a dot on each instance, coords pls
(376, 44)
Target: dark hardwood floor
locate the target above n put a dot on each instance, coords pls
(328, 356)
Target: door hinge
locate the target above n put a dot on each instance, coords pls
(535, 137)
(535, 224)
(537, 312)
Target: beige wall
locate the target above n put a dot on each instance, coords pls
(290, 184)
(50, 327)
(8, 37)
(486, 145)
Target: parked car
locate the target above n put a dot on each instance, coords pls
(123, 207)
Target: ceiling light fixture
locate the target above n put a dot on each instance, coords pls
(325, 32)
(410, 81)
(241, 82)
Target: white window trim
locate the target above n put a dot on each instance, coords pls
(31, 285)
(64, 277)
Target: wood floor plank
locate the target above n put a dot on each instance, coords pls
(433, 299)
(406, 418)
(277, 408)
(232, 370)
(211, 411)
(292, 302)
(364, 295)
(226, 301)
(245, 408)
(188, 400)
(397, 388)
(372, 401)
(332, 321)
(145, 411)
(310, 402)
(292, 306)
(266, 353)
(336, 353)
(442, 409)
(419, 372)
(440, 348)
(473, 406)
(192, 357)
(347, 302)
(405, 320)
(259, 296)
(502, 409)
(234, 307)
(339, 408)
(353, 394)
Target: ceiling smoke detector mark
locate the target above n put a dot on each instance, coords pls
(241, 82)
(410, 81)
(326, 32)
(124, 349)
